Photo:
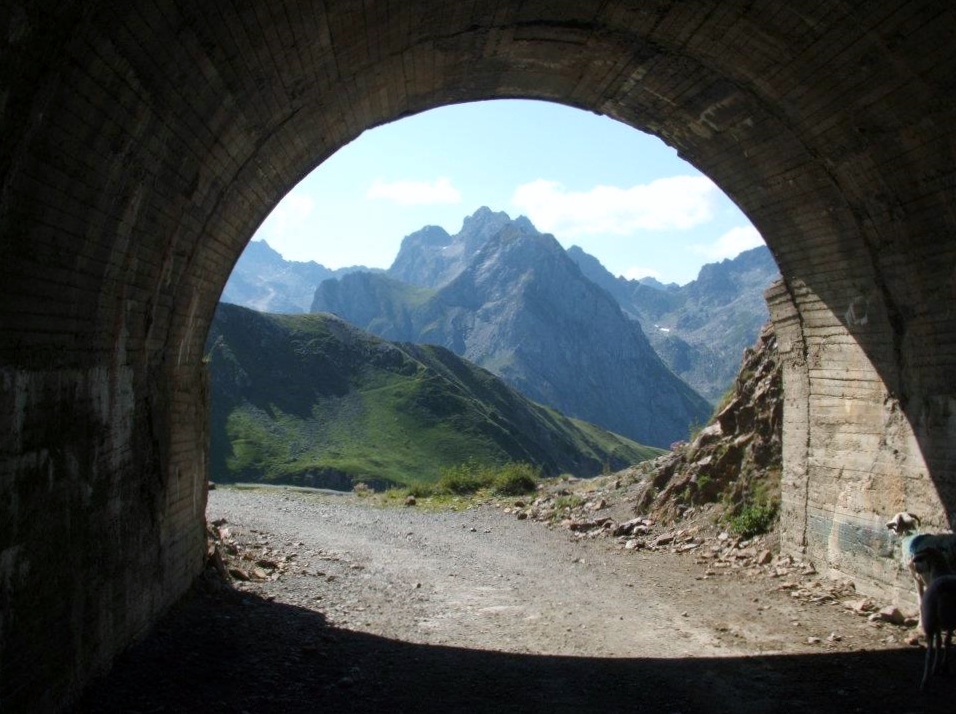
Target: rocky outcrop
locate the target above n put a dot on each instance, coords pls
(736, 459)
(433, 258)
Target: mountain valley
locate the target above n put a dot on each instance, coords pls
(510, 299)
(312, 400)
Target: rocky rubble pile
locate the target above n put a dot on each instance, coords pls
(682, 501)
(245, 557)
(718, 552)
(734, 462)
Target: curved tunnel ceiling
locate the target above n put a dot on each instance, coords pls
(189, 124)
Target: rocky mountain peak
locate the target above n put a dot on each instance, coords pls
(721, 283)
(484, 219)
(432, 257)
(518, 260)
(259, 250)
(653, 282)
(429, 236)
(263, 280)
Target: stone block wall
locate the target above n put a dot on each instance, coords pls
(103, 519)
(851, 458)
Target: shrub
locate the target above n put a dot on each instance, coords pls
(569, 502)
(516, 480)
(463, 479)
(754, 519)
(362, 489)
(418, 489)
(467, 479)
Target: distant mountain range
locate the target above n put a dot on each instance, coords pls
(511, 300)
(700, 329)
(263, 280)
(313, 400)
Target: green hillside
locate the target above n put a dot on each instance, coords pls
(312, 400)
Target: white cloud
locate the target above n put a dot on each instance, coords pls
(415, 193)
(636, 272)
(730, 244)
(287, 220)
(674, 203)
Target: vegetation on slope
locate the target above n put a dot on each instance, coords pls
(312, 400)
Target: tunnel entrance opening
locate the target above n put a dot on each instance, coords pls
(613, 190)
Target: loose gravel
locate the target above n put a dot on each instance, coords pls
(353, 607)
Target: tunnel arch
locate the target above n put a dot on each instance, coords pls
(141, 145)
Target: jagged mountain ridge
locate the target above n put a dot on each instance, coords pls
(432, 257)
(701, 329)
(263, 280)
(313, 400)
(520, 307)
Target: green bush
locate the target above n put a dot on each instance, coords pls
(567, 503)
(754, 519)
(466, 479)
(418, 489)
(516, 480)
(460, 483)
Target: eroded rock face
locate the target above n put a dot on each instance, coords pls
(701, 328)
(737, 456)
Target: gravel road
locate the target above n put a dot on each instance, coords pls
(474, 578)
(361, 608)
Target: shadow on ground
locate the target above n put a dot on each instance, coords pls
(225, 651)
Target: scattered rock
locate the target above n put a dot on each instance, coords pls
(890, 614)
(239, 574)
(588, 525)
(861, 607)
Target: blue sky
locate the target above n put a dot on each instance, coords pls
(621, 195)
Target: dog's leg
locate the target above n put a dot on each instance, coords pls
(928, 663)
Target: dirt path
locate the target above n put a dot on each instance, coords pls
(407, 610)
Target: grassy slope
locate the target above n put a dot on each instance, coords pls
(310, 399)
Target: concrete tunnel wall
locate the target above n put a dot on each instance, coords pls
(143, 142)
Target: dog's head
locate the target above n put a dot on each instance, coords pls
(903, 523)
(928, 560)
